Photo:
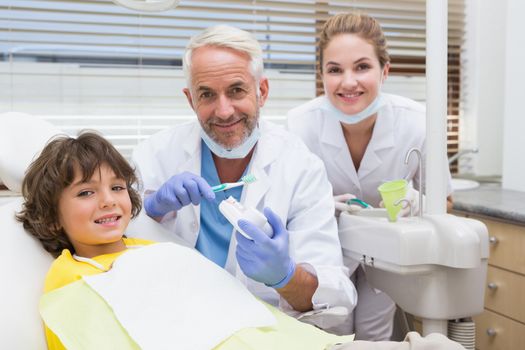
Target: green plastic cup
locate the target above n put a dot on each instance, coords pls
(391, 192)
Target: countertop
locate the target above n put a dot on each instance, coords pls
(489, 199)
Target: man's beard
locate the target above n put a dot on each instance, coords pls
(248, 122)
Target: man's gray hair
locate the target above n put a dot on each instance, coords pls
(229, 37)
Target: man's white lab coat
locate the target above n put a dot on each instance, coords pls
(290, 180)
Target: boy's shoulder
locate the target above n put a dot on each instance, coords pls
(61, 272)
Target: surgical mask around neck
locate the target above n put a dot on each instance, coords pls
(369, 111)
(238, 152)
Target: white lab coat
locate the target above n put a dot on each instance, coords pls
(290, 180)
(400, 126)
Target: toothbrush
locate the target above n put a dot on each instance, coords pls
(246, 179)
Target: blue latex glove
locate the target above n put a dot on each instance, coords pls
(266, 260)
(179, 191)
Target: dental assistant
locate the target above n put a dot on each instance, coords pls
(362, 135)
(300, 267)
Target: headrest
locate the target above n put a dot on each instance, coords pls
(22, 137)
(23, 267)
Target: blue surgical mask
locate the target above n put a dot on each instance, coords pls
(369, 111)
(238, 152)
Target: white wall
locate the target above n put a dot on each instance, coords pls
(514, 123)
(494, 119)
(482, 124)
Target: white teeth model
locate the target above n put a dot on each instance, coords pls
(103, 221)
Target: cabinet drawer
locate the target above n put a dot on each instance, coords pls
(508, 334)
(505, 293)
(508, 249)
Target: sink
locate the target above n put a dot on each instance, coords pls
(464, 184)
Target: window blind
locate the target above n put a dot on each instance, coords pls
(92, 64)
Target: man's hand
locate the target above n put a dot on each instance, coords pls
(179, 191)
(266, 260)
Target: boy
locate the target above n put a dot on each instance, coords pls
(79, 200)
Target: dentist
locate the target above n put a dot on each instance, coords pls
(362, 135)
(300, 267)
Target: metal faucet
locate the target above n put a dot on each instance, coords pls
(420, 177)
(462, 153)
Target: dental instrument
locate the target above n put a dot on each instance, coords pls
(246, 179)
(420, 166)
(359, 202)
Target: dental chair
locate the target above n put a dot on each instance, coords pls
(23, 260)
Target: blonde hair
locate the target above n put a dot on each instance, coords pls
(360, 24)
(228, 37)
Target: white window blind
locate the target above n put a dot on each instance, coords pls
(92, 64)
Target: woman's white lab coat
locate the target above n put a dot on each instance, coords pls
(400, 126)
(290, 180)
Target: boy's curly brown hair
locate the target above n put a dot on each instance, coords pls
(54, 170)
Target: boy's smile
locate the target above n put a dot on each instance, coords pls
(95, 214)
(108, 220)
